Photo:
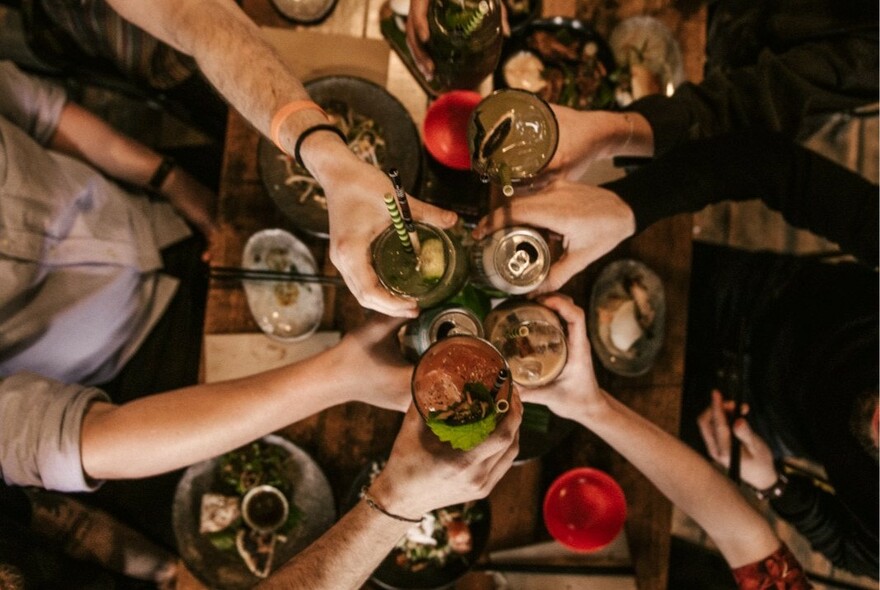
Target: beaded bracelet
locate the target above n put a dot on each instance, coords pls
(371, 502)
(302, 137)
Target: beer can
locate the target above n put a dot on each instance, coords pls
(513, 260)
(435, 324)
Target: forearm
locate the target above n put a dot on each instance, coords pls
(741, 534)
(85, 136)
(809, 190)
(344, 556)
(206, 420)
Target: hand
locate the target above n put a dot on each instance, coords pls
(591, 220)
(423, 473)
(756, 458)
(587, 136)
(575, 394)
(373, 354)
(191, 199)
(354, 192)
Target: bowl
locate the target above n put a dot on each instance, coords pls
(584, 509)
(445, 128)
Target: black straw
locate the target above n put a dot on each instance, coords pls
(503, 374)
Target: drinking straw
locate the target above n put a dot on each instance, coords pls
(405, 213)
(502, 405)
(476, 18)
(397, 222)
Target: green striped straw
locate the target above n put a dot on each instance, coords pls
(397, 222)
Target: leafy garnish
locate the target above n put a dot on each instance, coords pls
(464, 436)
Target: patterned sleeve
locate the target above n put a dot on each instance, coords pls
(778, 571)
(29, 102)
(43, 449)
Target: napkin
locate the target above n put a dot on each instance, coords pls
(230, 356)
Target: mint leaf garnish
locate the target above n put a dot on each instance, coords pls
(464, 436)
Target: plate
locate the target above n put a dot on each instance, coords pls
(306, 12)
(225, 569)
(391, 576)
(646, 40)
(534, 64)
(339, 94)
(623, 332)
(284, 310)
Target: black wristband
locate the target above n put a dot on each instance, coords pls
(161, 173)
(302, 137)
(774, 491)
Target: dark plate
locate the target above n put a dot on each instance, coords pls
(393, 577)
(403, 147)
(577, 29)
(536, 443)
(225, 569)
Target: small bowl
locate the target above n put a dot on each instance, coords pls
(584, 509)
(445, 128)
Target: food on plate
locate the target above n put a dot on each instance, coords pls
(626, 317)
(365, 138)
(238, 471)
(525, 70)
(634, 77)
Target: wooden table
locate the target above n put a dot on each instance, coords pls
(344, 438)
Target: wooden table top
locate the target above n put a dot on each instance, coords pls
(344, 438)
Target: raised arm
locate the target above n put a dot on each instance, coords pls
(249, 73)
(691, 483)
(421, 475)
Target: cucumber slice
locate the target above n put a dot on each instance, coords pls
(433, 259)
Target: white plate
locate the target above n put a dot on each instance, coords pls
(284, 310)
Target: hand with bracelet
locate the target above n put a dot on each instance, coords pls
(192, 199)
(354, 191)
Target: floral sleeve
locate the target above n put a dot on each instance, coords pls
(778, 571)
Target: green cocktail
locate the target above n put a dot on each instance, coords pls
(438, 273)
(465, 41)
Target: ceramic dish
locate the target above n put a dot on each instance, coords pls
(562, 60)
(362, 102)
(218, 568)
(305, 12)
(627, 317)
(646, 41)
(284, 310)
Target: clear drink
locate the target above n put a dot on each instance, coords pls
(531, 338)
(512, 136)
(439, 274)
(465, 41)
(461, 387)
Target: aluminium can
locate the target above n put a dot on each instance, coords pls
(435, 324)
(514, 260)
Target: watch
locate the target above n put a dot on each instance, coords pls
(161, 173)
(774, 491)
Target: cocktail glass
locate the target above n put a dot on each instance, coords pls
(401, 274)
(465, 41)
(531, 338)
(461, 387)
(512, 136)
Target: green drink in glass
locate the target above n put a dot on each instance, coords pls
(438, 273)
(465, 41)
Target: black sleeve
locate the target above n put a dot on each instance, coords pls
(809, 190)
(783, 87)
(827, 525)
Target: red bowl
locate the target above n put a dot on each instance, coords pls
(445, 128)
(584, 509)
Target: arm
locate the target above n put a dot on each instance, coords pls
(206, 420)
(691, 483)
(815, 512)
(83, 135)
(249, 73)
(421, 475)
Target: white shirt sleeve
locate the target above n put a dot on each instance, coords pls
(32, 104)
(40, 434)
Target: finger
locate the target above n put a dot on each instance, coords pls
(560, 273)
(372, 295)
(719, 423)
(504, 433)
(516, 211)
(743, 431)
(428, 213)
(575, 320)
(708, 434)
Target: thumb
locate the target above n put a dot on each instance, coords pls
(561, 271)
(442, 218)
(743, 431)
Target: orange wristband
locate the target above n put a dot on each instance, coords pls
(286, 111)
